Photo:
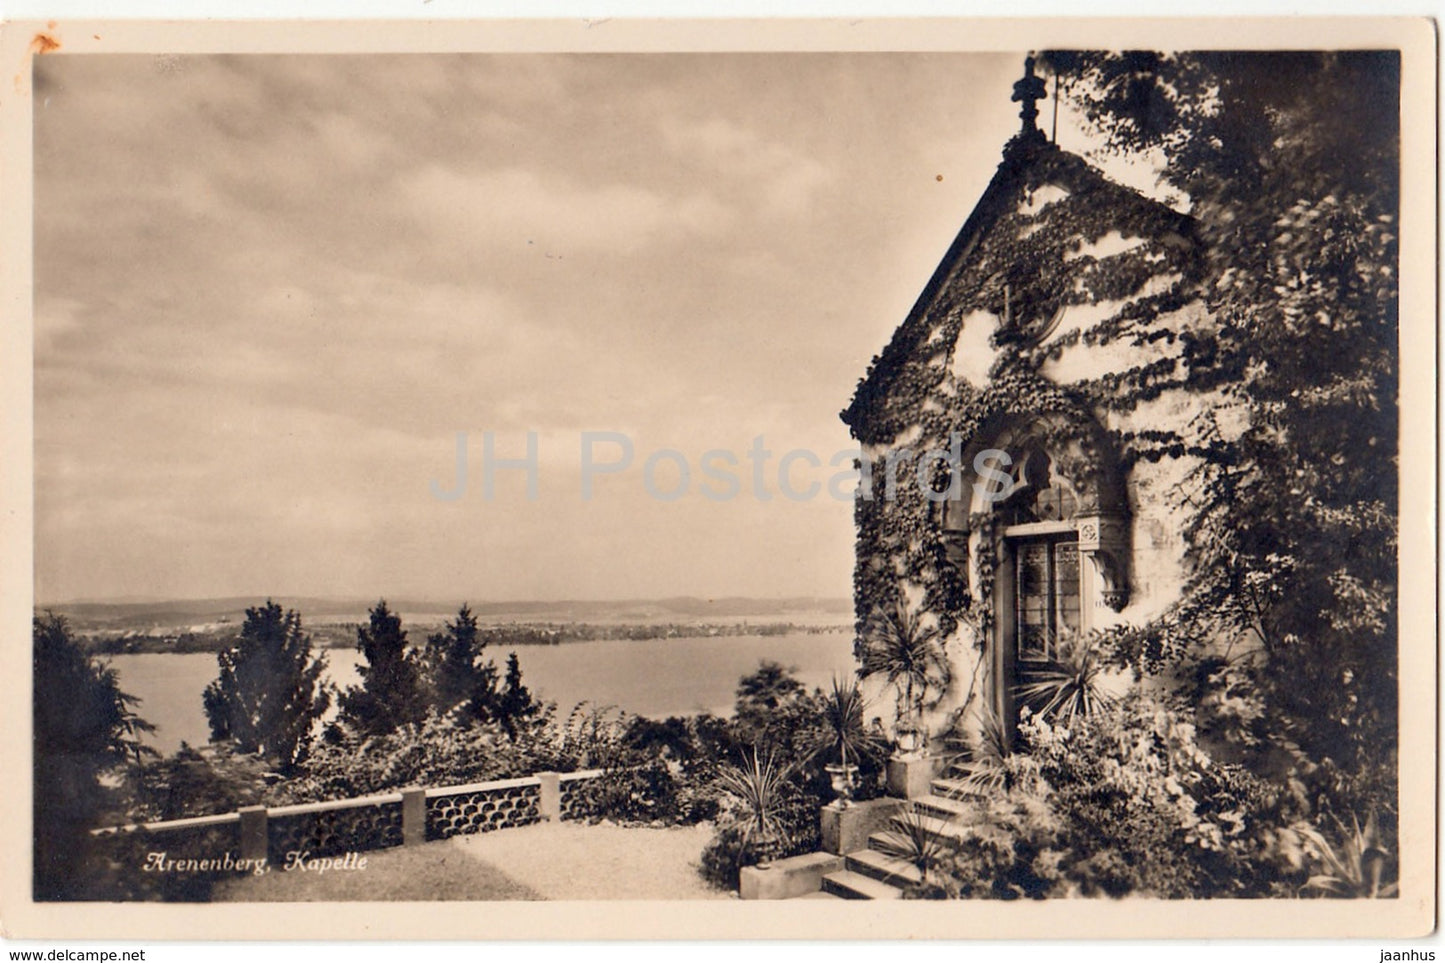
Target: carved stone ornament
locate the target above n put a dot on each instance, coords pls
(1104, 541)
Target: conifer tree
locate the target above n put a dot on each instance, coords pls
(456, 673)
(270, 690)
(85, 726)
(515, 705)
(390, 693)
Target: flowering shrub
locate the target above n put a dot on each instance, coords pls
(1125, 801)
(1013, 852)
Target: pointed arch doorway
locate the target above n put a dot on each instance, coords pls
(1049, 512)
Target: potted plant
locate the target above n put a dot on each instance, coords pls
(843, 737)
(908, 654)
(909, 736)
(757, 786)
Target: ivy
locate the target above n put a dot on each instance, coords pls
(1024, 260)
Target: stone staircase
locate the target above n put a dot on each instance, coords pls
(877, 872)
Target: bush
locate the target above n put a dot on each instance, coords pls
(437, 752)
(644, 792)
(725, 855)
(1126, 802)
(1146, 810)
(653, 771)
(198, 782)
(1012, 853)
(86, 733)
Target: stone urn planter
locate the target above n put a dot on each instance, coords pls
(843, 777)
(769, 847)
(910, 771)
(910, 740)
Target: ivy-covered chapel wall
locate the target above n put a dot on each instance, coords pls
(1072, 306)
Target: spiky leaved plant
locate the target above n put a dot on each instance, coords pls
(989, 770)
(1067, 689)
(757, 786)
(842, 740)
(913, 836)
(843, 735)
(1355, 868)
(908, 654)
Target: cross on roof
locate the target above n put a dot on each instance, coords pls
(1029, 90)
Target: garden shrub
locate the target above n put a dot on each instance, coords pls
(1147, 810)
(1012, 853)
(1126, 802)
(118, 876)
(199, 782)
(437, 752)
(654, 772)
(640, 791)
(725, 855)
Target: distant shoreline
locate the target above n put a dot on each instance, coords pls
(343, 636)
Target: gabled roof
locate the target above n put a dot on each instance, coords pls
(1028, 159)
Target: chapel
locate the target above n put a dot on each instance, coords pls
(1031, 524)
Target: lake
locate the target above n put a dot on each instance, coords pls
(650, 677)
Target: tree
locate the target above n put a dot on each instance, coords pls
(456, 675)
(390, 692)
(515, 705)
(86, 728)
(270, 691)
(1290, 165)
(773, 710)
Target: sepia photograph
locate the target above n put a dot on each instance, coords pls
(952, 477)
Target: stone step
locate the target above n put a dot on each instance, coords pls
(945, 807)
(952, 788)
(850, 885)
(946, 833)
(939, 827)
(883, 867)
(819, 894)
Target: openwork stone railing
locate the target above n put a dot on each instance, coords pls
(484, 806)
(314, 830)
(574, 800)
(329, 828)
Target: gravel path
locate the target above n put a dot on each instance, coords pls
(577, 861)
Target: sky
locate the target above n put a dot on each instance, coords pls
(271, 291)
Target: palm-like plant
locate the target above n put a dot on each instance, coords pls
(1069, 688)
(989, 770)
(907, 653)
(1355, 868)
(843, 736)
(913, 836)
(758, 787)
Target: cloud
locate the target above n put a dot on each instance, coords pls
(782, 179)
(516, 207)
(271, 289)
